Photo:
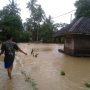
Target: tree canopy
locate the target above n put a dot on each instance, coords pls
(38, 26)
(47, 29)
(36, 17)
(10, 18)
(11, 23)
(83, 8)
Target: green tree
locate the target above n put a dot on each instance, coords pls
(36, 17)
(58, 26)
(83, 8)
(10, 20)
(47, 29)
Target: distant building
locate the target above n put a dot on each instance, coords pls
(77, 37)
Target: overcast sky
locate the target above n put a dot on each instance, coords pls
(55, 8)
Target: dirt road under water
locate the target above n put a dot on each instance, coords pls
(42, 70)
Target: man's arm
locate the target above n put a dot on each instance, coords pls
(22, 51)
(1, 52)
(2, 49)
(19, 49)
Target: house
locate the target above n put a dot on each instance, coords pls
(62, 32)
(77, 37)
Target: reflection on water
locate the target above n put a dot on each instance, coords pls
(44, 71)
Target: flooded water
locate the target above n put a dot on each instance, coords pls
(42, 70)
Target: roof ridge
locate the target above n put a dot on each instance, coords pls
(75, 24)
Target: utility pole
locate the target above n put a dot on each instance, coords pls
(11, 1)
(71, 18)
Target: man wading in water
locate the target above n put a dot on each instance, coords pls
(8, 48)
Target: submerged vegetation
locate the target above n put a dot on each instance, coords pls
(87, 85)
(29, 80)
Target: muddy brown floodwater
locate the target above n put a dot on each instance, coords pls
(42, 70)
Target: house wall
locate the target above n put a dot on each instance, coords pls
(69, 45)
(82, 45)
(77, 45)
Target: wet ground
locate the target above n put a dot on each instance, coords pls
(42, 70)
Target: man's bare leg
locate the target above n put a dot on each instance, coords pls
(9, 72)
(11, 68)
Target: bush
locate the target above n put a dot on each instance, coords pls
(87, 85)
(62, 73)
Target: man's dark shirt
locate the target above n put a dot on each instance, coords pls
(9, 48)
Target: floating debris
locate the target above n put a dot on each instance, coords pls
(32, 51)
(36, 55)
(60, 50)
(62, 73)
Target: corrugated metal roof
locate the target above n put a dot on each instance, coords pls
(64, 30)
(81, 25)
